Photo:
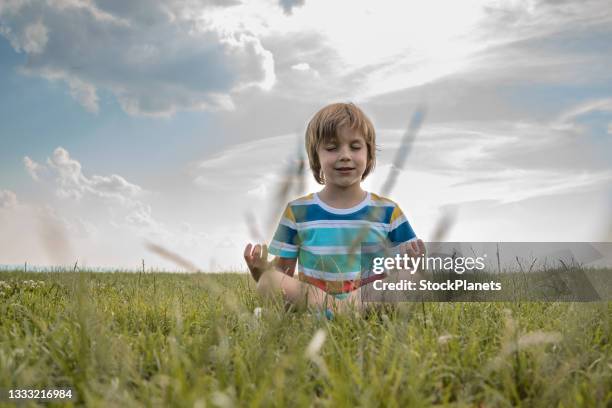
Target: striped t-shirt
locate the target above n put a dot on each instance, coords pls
(328, 241)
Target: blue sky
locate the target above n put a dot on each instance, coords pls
(123, 123)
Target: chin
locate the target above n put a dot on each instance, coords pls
(345, 183)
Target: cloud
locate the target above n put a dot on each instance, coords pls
(11, 6)
(503, 43)
(156, 59)
(89, 7)
(83, 92)
(534, 18)
(244, 165)
(226, 242)
(32, 39)
(567, 120)
(70, 182)
(124, 200)
(302, 66)
(34, 169)
(90, 211)
(260, 191)
(289, 5)
(141, 217)
(8, 199)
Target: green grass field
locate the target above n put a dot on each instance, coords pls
(192, 340)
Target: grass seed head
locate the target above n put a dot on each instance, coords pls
(314, 347)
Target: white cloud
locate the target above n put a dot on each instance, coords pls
(302, 66)
(32, 39)
(567, 120)
(141, 217)
(88, 6)
(247, 164)
(260, 191)
(35, 37)
(83, 92)
(34, 169)
(86, 227)
(72, 183)
(125, 201)
(11, 6)
(8, 199)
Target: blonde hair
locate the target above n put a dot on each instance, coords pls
(324, 126)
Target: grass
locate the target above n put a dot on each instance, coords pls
(192, 340)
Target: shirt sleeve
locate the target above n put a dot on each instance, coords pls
(285, 242)
(400, 230)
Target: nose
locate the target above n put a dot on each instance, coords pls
(345, 153)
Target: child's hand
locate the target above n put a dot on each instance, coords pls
(413, 249)
(256, 257)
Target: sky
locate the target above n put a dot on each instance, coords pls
(172, 123)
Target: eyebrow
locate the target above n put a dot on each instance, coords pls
(354, 140)
(334, 140)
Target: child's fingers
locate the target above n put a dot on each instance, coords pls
(415, 248)
(257, 251)
(264, 253)
(421, 245)
(247, 251)
(407, 249)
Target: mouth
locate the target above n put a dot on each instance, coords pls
(345, 170)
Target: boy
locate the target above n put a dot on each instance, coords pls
(323, 232)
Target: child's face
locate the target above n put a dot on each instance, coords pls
(343, 158)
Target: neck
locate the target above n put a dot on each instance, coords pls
(342, 197)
